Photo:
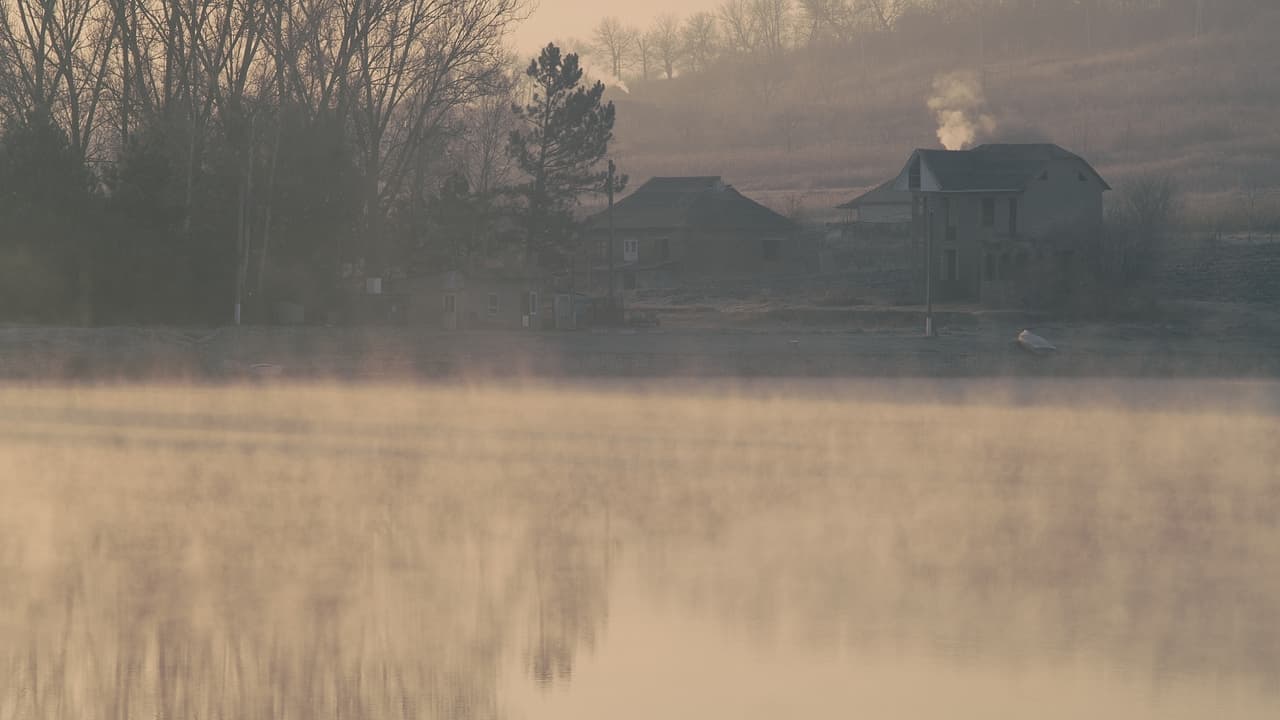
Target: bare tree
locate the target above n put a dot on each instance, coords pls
(482, 146)
(828, 21)
(699, 39)
(415, 62)
(55, 55)
(1138, 225)
(772, 22)
(884, 13)
(666, 41)
(615, 41)
(739, 24)
(644, 50)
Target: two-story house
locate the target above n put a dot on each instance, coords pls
(986, 212)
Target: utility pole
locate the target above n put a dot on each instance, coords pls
(928, 268)
(609, 251)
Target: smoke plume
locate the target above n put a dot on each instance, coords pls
(591, 73)
(958, 103)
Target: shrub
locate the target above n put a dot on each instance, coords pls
(1087, 269)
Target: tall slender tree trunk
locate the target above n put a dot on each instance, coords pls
(266, 220)
(245, 229)
(373, 256)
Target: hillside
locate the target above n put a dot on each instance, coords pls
(819, 124)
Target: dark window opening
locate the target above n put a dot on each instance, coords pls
(493, 303)
(951, 265)
(1044, 175)
(1004, 266)
(449, 301)
(628, 281)
(1080, 176)
(770, 249)
(988, 212)
(951, 234)
(1013, 216)
(664, 249)
(990, 262)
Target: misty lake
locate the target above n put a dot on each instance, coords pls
(970, 550)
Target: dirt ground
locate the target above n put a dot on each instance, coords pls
(728, 340)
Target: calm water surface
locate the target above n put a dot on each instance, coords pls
(586, 553)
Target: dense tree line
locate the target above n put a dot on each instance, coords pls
(738, 28)
(166, 160)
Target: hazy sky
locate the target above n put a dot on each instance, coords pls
(560, 19)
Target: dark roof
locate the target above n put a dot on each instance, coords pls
(995, 167)
(701, 203)
(882, 194)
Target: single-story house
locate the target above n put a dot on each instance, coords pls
(985, 212)
(675, 229)
(483, 299)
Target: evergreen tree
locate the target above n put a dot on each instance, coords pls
(48, 203)
(564, 135)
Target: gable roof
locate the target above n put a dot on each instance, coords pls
(882, 194)
(690, 203)
(989, 168)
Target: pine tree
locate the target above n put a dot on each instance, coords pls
(564, 135)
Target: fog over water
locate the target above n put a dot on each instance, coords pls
(660, 550)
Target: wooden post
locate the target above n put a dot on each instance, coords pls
(928, 268)
(609, 251)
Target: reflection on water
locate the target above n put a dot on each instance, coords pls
(574, 553)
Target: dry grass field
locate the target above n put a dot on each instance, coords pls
(307, 551)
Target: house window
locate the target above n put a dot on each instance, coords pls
(769, 249)
(951, 265)
(1004, 266)
(450, 303)
(988, 212)
(530, 303)
(990, 263)
(1044, 176)
(630, 250)
(1080, 176)
(664, 249)
(1013, 216)
(493, 303)
(628, 281)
